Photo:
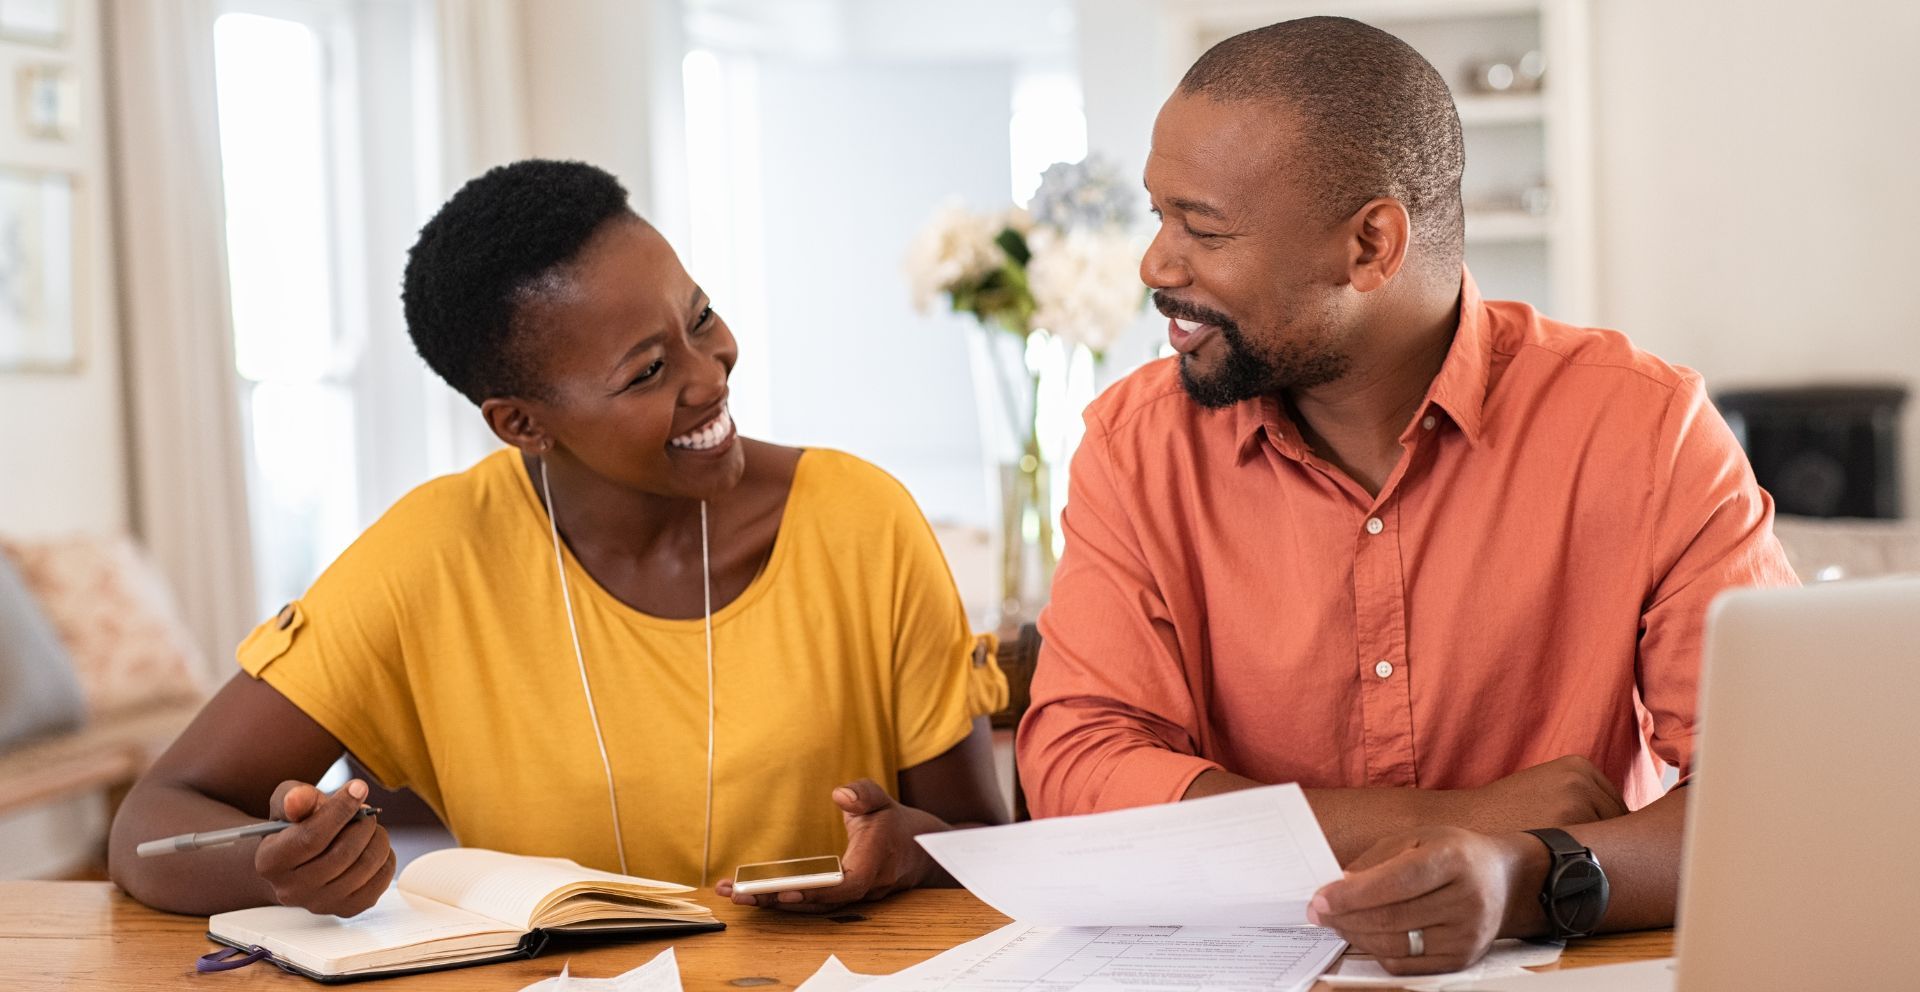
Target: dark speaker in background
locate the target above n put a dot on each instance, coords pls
(1823, 451)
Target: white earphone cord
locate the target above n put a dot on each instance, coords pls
(706, 584)
(580, 658)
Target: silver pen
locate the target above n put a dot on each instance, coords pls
(221, 838)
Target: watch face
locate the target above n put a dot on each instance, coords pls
(1578, 895)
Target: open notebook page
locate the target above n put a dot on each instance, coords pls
(392, 932)
(586, 908)
(513, 888)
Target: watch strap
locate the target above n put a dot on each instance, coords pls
(1561, 843)
(1584, 895)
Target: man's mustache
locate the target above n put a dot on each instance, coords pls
(1179, 309)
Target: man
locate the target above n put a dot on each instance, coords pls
(1444, 562)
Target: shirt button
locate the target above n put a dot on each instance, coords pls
(1374, 526)
(1427, 422)
(1384, 669)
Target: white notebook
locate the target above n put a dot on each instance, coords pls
(459, 907)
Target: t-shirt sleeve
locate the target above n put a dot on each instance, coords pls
(1712, 531)
(337, 654)
(943, 677)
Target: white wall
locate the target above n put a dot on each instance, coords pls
(1756, 208)
(63, 453)
(1129, 63)
(589, 76)
(856, 156)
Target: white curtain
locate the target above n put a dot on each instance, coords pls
(479, 88)
(188, 455)
(188, 443)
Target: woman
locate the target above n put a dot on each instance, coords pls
(632, 638)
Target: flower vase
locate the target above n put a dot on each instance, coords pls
(1026, 540)
(1009, 373)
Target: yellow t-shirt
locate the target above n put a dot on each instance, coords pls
(436, 649)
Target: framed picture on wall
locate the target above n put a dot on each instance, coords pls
(38, 22)
(37, 328)
(47, 106)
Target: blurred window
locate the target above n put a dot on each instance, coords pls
(277, 95)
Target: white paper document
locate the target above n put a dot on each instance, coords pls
(662, 974)
(1249, 858)
(1505, 959)
(834, 976)
(1202, 896)
(1025, 958)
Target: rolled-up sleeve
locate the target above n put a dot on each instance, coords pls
(1112, 723)
(1713, 531)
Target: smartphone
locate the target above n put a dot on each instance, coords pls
(787, 876)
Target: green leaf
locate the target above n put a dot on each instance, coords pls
(1015, 245)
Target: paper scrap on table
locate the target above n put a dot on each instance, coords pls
(1505, 959)
(1248, 858)
(1640, 976)
(1020, 957)
(834, 976)
(662, 974)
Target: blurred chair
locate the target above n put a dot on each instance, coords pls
(1018, 656)
(970, 556)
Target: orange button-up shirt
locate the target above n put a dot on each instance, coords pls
(1539, 562)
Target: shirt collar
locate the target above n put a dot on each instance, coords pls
(1460, 388)
(1261, 416)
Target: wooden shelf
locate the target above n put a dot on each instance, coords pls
(1495, 108)
(1506, 226)
(1239, 15)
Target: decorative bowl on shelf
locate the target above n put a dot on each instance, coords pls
(1507, 75)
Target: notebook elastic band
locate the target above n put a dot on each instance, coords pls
(225, 959)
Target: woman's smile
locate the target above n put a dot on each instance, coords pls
(714, 436)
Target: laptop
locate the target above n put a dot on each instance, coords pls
(1802, 863)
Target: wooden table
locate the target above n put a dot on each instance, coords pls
(87, 935)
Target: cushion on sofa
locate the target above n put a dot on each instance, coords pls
(39, 692)
(113, 614)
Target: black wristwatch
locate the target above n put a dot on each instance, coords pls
(1576, 893)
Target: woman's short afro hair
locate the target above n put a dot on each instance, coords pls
(483, 252)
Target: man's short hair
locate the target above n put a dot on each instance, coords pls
(479, 257)
(1375, 117)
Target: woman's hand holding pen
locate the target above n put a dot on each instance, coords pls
(330, 861)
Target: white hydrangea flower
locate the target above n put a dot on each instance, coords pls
(1090, 193)
(954, 248)
(1086, 284)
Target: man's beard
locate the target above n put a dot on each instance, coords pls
(1245, 373)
